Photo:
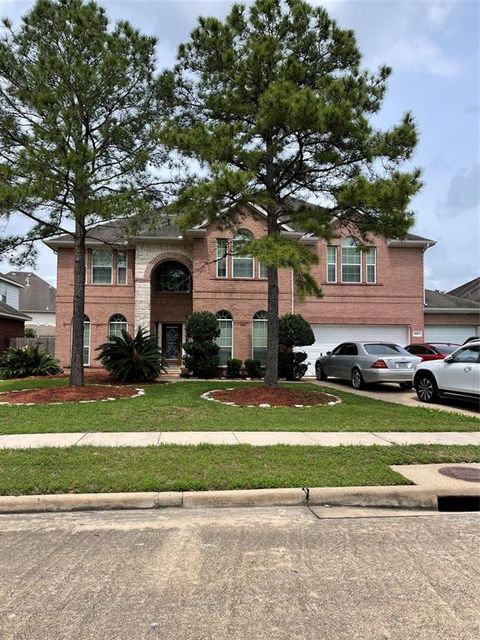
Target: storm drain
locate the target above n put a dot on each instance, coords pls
(458, 503)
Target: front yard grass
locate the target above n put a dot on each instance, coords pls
(179, 407)
(208, 467)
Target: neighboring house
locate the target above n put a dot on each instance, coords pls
(37, 299)
(470, 290)
(12, 324)
(157, 278)
(10, 291)
(450, 318)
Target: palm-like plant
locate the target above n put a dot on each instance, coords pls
(20, 362)
(132, 359)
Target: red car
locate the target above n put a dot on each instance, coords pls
(432, 350)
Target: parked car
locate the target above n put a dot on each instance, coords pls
(457, 375)
(432, 350)
(471, 339)
(368, 362)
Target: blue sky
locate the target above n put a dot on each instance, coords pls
(433, 47)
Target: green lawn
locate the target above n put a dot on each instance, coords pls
(179, 407)
(207, 467)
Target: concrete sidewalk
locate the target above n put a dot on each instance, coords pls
(256, 438)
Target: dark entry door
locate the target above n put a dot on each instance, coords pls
(172, 343)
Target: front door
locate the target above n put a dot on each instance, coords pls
(172, 343)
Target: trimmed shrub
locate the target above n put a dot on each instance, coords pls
(290, 365)
(20, 362)
(234, 366)
(201, 329)
(253, 368)
(132, 359)
(294, 331)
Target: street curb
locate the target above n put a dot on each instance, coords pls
(403, 496)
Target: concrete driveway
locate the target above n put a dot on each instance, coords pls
(390, 392)
(232, 574)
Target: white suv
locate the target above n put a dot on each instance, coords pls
(457, 375)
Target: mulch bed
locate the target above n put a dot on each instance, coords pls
(66, 394)
(277, 397)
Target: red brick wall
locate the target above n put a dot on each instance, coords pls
(101, 302)
(10, 328)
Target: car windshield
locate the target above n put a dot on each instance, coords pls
(385, 350)
(445, 348)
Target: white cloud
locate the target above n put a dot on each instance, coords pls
(438, 12)
(418, 55)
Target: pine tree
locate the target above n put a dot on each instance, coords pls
(79, 103)
(274, 107)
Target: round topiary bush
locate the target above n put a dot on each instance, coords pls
(294, 331)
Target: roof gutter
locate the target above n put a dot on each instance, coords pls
(425, 244)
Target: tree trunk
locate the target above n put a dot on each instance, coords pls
(76, 362)
(271, 362)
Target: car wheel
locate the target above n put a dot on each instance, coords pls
(320, 373)
(357, 379)
(406, 385)
(426, 388)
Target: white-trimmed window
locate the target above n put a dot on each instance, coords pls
(262, 271)
(86, 341)
(242, 266)
(221, 257)
(225, 339)
(351, 261)
(371, 262)
(259, 336)
(116, 325)
(121, 267)
(102, 266)
(331, 264)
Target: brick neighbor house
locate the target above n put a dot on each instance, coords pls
(157, 278)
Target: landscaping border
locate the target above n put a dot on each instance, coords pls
(138, 394)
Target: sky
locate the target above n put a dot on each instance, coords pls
(433, 48)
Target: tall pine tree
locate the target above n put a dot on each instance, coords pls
(79, 105)
(273, 105)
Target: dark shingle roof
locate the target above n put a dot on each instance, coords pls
(440, 300)
(37, 294)
(6, 311)
(470, 290)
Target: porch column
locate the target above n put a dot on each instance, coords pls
(142, 305)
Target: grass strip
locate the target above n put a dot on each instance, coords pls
(179, 407)
(207, 467)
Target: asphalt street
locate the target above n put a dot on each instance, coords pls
(264, 573)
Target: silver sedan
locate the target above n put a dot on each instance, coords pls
(367, 363)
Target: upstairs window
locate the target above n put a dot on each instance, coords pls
(351, 261)
(225, 339)
(172, 277)
(331, 264)
(221, 258)
(116, 325)
(371, 259)
(259, 336)
(121, 267)
(101, 266)
(243, 266)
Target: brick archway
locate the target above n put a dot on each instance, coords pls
(163, 257)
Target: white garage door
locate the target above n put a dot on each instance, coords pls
(449, 333)
(328, 336)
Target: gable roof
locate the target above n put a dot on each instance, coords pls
(6, 311)
(470, 290)
(36, 294)
(5, 278)
(440, 302)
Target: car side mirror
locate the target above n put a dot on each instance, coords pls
(329, 353)
(448, 359)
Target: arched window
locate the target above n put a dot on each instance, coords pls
(172, 277)
(259, 336)
(86, 341)
(225, 339)
(351, 261)
(242, 266)
(116, 325)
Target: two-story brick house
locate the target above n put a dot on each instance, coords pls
(157, 278)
